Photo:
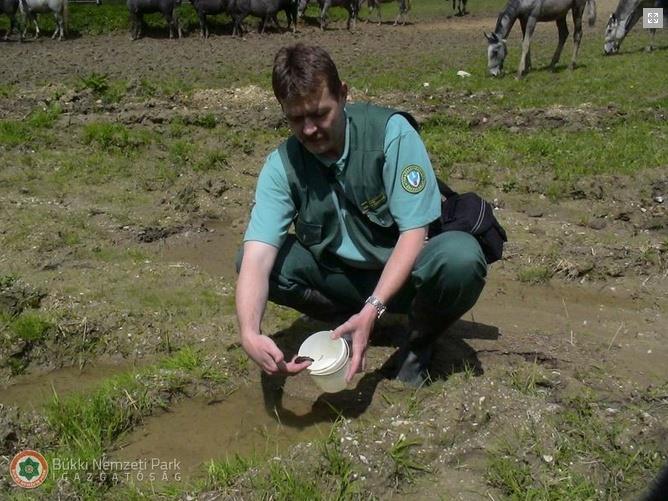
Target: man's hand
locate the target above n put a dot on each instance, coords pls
(266, 354)
(359, 326)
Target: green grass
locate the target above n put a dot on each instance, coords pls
(109, 136)
(578, 455)
(222, 474)
(625, 148)
(337, 464)
(86, 425)
(405, 466)
(32, 326)
(534, 274)
(30, 131)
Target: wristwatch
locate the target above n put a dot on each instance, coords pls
(378, 304)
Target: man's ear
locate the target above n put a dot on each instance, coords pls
(344, 91)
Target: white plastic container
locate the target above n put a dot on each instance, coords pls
(330, 360)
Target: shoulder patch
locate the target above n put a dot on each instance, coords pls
(413, 179)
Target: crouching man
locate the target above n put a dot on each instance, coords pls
(356, 182)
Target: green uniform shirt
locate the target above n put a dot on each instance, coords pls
(274, 209)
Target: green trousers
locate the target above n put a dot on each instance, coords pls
(446, 281)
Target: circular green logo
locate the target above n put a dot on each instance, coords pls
(413, 179)
(28, 469)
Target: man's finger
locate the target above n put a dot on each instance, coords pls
(293, 367)
(354, 366)
(340, 331)
(269, 366)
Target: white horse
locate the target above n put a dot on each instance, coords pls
(30, 9)
(626, 15)
(530, 12)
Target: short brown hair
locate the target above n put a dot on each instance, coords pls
(300, 70)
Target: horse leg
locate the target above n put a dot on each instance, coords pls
(526, 44)
(202, 24)
(59, 26)
(563, 35)
(523, 25)
(34, 20)
(323, 13)
(577, 34)
(650, 47)
(140, 25)
(352, 13)
(12, 26)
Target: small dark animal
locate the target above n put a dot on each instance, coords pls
(208, 7)
(530, 12)
(167, 8)
(10, 7)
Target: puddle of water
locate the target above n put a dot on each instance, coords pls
(197, 430)
(31, 391)
(213, 251)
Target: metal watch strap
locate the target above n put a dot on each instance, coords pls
(376, 303)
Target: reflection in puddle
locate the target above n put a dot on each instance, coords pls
(197, 430)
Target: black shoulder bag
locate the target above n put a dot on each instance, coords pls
(470, 213)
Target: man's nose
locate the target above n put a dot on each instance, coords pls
(309, 127)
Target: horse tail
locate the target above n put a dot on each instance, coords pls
(591, 12)
(66, 14)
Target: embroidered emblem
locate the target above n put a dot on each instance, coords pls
(373, 203)
(413, 179)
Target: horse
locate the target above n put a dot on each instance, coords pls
(530, 12)
(352, 6)
(30, 9)
(460, 5)
(266, 10)
(208, 7)
(10, 7)
(404, 7)
(626, 15)
(138, 8)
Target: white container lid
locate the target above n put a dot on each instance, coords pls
(327, 353)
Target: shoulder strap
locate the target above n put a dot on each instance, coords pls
(445, 190)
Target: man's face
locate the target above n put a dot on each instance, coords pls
(318, 121)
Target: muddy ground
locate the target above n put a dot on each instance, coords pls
(578, 303)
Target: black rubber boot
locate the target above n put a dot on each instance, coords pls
(414, 365)
(425, 325)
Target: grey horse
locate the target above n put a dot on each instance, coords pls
(59, 8)
(352, 6)
(209, 7)
(404, 7)
(626, 15)
(10, 7)
(167, 8)
(266, 10)
(530, 12)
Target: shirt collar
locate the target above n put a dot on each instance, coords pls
(339, 164)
